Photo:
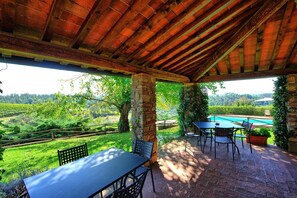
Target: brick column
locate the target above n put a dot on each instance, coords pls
(292, 112)
(144, 109)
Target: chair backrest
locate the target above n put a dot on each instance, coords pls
(143, 148)
(247, 125)
(133, 190)
(72, 154)
(224, 132)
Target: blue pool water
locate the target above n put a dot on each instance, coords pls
(255, 121)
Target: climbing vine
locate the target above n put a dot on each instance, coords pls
(280, 110)
(193, 105)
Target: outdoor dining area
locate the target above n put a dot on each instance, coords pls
(190, 166)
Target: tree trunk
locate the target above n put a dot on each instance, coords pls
(123, 124)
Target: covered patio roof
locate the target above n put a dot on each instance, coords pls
(173, 40)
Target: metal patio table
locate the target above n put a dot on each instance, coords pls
(85, 177)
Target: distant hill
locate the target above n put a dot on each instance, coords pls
(229, 99)
(25, 98)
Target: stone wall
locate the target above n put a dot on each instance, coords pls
(144, 109)
(292, 111)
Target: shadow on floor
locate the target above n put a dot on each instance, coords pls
(267, 172)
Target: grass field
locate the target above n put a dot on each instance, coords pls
(20, 162)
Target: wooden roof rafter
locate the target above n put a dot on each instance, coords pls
(219, 32)
(98, 8)
(174, 23)
(248, 75)
(189, 11)
(221, 5)
(214, 25)
(281, 33)
(267, 10)
(8, 15)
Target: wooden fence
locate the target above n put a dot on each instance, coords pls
(21, 139)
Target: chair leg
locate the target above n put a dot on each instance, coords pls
(215, 148)
(233, 145)
(152, 179)
(251, 147)
(210, 142)
(242, 142)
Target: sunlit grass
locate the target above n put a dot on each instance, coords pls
(21, 161)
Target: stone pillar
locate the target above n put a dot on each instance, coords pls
(292, 112)
(144, 109)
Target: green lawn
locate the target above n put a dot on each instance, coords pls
(19, 162)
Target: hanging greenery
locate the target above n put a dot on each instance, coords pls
(193, 105)
(280, 99)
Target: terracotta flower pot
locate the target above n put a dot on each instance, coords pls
(257, 140)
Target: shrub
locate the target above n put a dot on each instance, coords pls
(261, 132)
(238, 110)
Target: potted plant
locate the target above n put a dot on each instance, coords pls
(258, 137)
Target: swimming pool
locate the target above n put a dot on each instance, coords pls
(255, 121)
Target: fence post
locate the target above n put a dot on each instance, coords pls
(164, 124)
(53, 135)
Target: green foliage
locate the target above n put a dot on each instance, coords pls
(112, 90)
(193, 105)
(238, 110)
(8, 109)
(167, 95)
(261, 132)
(63, 107)
(280, 110)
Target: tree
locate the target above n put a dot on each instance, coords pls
(111, 90)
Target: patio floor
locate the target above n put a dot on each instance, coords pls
(267, 172)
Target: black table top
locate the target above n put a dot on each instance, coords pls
(84, 177)
(212, 125)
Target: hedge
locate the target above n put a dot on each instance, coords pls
(239, 110)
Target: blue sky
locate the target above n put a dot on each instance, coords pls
(24, 79)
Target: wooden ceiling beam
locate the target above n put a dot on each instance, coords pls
(200, 54)
(248, 75)
(191, 62)
(292, 55)
(219, 33)
(217, 8)
(212, 26)
(46, 51)
(98, 8)
(282, 31)
(241, 57)
(258, 46)
(264, 13)
(120, 24)
(54, 15)
(189, 12)
(8, 15)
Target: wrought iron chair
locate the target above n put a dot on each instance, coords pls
(207, 133)
(247, 127)
(133, 190)
(224, 136)
(145, 149)
(190, 134)
(72, 154)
